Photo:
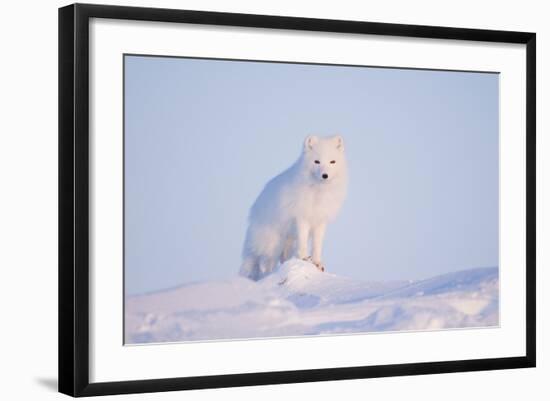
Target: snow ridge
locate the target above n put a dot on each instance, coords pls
(298, 299)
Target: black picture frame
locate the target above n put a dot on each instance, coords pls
(74, 193)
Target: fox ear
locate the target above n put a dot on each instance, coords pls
(310, 141)
(339, 142)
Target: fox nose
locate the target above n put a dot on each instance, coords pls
(325, 176)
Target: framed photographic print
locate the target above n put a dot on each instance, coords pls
(251, 199)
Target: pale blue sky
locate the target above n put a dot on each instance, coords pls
(202, 137)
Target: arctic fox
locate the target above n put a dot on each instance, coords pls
(295, 207)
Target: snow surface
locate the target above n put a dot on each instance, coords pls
(299, 300)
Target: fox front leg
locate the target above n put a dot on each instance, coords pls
(318, 234)
(302, 238)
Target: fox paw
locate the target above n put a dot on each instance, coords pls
(318, 265)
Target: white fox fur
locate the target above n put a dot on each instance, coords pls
(295, 207)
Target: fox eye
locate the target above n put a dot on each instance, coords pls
(317, 162)
(332, 161)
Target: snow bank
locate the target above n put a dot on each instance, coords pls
(300, 300)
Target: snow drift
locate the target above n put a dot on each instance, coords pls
(299, 300)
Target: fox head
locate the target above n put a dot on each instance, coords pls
(324, 158)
